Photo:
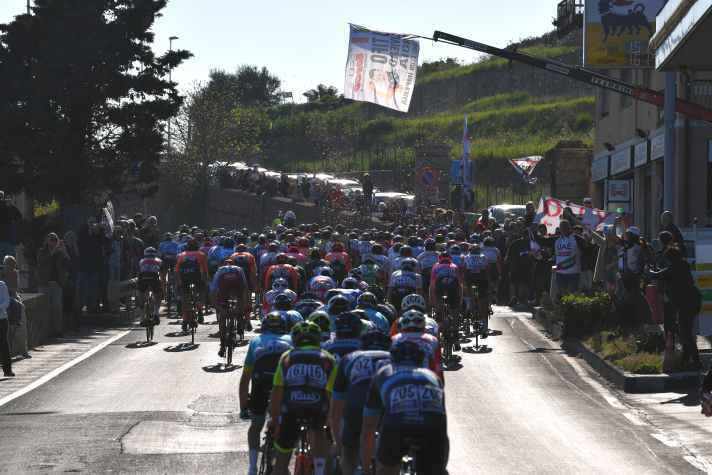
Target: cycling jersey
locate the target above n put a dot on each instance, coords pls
(292, 317)
(320, 285)
(445, 279)
(353, 380)
(149, 267)
(282, 271)
(262, 358)
(430, 345)
(227, 281)
(568, 255)
(266, 260)
(403, 281)
(307, 377)
(427, 260)
(411, 405)
(191, 266)
(313, 265)
(246, 262)
(168, 249)
(377, 318)
(476, 270)
(340, 262)
(340, 347)
(364, 249)
(351, 295)
(297, 255)
(372, 274)
(217, 256)
(268, 299)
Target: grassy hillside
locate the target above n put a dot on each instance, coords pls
(510, 124)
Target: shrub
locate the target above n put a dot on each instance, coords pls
(641, 363)
(582, 314)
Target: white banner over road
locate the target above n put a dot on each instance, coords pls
(381, 68)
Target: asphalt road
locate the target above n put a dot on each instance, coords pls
(524, 407)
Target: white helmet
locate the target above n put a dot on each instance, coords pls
(413, 301)
(280, 284)
(413, 321)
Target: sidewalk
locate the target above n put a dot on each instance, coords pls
(51, 356)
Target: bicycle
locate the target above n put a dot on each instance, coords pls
(444, 318)
(234, 326)
(409, 464)
(171, 291)
(193, 301)
(303, 462)
(148, 313)
(267, 455)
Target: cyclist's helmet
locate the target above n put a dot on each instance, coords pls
(337, 247)
(326, 272)
(273, 247)
(409, 264)
(241, 248)
(306, 307)
(356, 273)
(321, 318)
(367, 300)
(274, 322)
(455, 250)
(228, 243)
(413, 302)
(406, 251)
(283, 302)
(412, 321)
(347, 325)
(377, 249)
(407, 352)
(338, 304)
(306, 334)
(281, 258)
(150, 252)
(280, 284)
(303, 242)
(167, 237)
(413, 241)
(375, 340)
(262, 239)
(192, 245)
(349, 283)
(430, 244)
(314, 253)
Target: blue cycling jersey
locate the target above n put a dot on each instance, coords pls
(168, 249)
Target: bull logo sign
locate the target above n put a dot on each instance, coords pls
(617, 33)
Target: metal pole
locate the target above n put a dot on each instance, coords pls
(669, 160)
(170, 79)
(29, 12)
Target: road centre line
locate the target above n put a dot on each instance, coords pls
(57, 371)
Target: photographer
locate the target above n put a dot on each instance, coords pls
(52, 259)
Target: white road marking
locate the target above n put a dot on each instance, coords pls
(699, 463)
(665, 440)
(56, 372)
(635, 420)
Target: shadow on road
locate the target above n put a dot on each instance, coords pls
(692, 398)
(482, 349)
(175, 322)
(543, 350)
(175, 334)
(141, 344)
(181, 347)
(220, 368)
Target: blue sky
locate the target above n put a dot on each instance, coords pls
(304, 42)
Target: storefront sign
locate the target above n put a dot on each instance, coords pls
(620, 161)
(599, 168)
(641, 154)
(657, 147)
(619, 191)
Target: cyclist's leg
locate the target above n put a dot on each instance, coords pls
(220, 314)
(390, 451)
(286, 439)
(319, 447)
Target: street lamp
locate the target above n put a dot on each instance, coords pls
(170, 79)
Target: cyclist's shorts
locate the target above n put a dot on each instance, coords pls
(493, 272)
(451, 289)
(259, 396)
(191, 278)
(149, 280)
(351, 429)
(425, 273)
(289, 428)
(167, 263)
(431, 458)
(479, 279)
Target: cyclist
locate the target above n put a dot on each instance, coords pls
(281, 270)
(263, 354)
(353, 379)
(191, 269)
(405, 404)
(228, 282)
(321, 283)
(446, 279)
(218, 254)
(279, 287)
(168, 252)
(302, 388)
(372, 273)
(369, 304)
(339, 260)
(149, 269)
(346, 338)
(244, 259)
(349, 289)
(475, 264)
(337, 305)
(404, 282)
(412, 327)
(315, 262)
(494, 262)
(283, 305)
(293, 251)
(267, 258)
(307, 305)
(379, 257)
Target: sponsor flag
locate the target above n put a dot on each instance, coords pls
(381, 68)
(550, 213)
(525, 167)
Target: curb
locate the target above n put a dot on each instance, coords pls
(628, 382)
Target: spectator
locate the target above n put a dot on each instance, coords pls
(10, 218)
(71, 287)
(283, 185)
(667, 224)
(685, 300)
(518, 262)
(5, 359)
(367, 187)
(306, 188)
(91, 260)
(51, 275)
(630, 302)
(542, 250)
(607, 263)
(588, 258)
(150, 234)
(529, 215)
(568, 260)
(15, 311)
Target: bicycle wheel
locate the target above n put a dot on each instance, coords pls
(266, 458)
(230, 338)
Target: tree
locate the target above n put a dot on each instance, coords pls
(84, 97)
(322, 93)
